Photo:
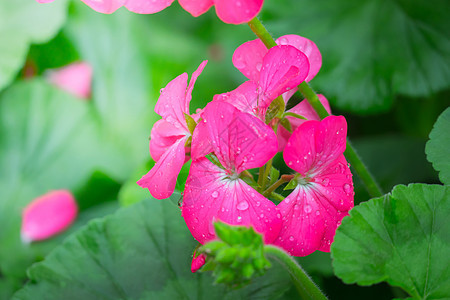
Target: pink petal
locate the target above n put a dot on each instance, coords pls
(162, 178)
(239, 140)
(304, 109)
(147, 6)
(211, 196)
(163, 136)
(308, 47)
(248, 58)
(105, 6)
(192, 83)
(196, 7)
(48, 215)
(244, 98)
(200, 146)
(284, 67)
(75, 78)
(172, 102)
(316, 144)
(44, 1)
(312, 212)
(237, 11)
(197, 262)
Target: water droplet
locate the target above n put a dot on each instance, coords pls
(347, 188)
(278, 216)
(291, 238)
(307, 208)
(239, 219)
(243, 205)
(283, 41)
(258, 66)
(258, 203)
(326, 181)
(296, 207)
(261, 215)
(215, 194)
(290, 163)
(317, 213)
(161, 91)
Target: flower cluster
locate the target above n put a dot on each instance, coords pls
(229, 11)
(235, 133)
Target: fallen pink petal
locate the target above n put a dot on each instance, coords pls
(75, 78)
(48, 215)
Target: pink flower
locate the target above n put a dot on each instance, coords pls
(281, 69)
(324, 194)
(229, 11)
(48, 215)
(169, 135)
(75, 78)
(239, 141)
(303, 109)
(248, 57)
(137, 6)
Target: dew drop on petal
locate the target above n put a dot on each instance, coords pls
(243, 205)
(258, 203)
(215, 194)
(347, 188)
(283, 41)
(258, 66)
(326, 181)
(317, 213)
(291, 238)
(307, 208)
(239, 219)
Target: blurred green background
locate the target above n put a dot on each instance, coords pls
(386, 68)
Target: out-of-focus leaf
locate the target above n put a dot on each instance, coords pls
(438, 147)
(402, 238)
(44, 133)
(23, 22)
(141, 252)
(372, 50)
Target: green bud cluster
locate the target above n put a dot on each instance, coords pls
(236, 256)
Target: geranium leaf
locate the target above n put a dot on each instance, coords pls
(438, 147)
(23, 22)
(385, 47)
(401, 238)
(141, 252)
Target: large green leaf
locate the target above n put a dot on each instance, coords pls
(23, 22)
(438, 147)
(44, 133)
(372, 49)
(141, 252)
(402, 238)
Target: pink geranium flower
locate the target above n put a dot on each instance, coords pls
(239, 141)
(48, 215)
(305, 110)
(248, 57)
(229, 11)
(324, 194)
(169, 135)
(137, 6)
(282, 68)
(75, 78)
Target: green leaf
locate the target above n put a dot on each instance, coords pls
(402, 238)
(43, 137)
(372, 50)
(141, 252)
(23, 22)
(438, 147)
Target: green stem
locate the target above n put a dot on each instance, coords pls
(273, 187)
(304, 284)
(260, 178)
(266, 174)
(371, 185)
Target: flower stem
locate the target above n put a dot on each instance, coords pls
(266, 173)
(371, 185)
(304, 284)
(273, 187)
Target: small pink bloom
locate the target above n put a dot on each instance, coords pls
(169, 135)
(282, 69)
(303, 109)
(137, 6)
(239, 141)
(197, 262)
(324, 195)
(48, 215)
(75, 78)
(248, 57)
(229, 11)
